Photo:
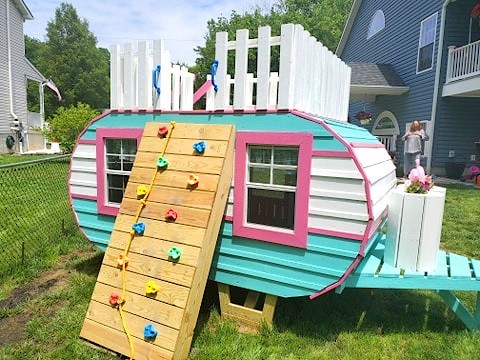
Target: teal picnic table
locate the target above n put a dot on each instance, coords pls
(452, 273)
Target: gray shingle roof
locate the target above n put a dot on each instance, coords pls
(374, 74)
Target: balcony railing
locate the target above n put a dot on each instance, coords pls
(463, 62)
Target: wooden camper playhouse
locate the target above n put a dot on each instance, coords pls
(274, 193)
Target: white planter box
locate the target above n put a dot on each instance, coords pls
(414, 227)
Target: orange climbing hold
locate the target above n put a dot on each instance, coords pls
(192, 180)
(122, 259)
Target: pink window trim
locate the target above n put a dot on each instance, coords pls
(297, 237)
(103, 133)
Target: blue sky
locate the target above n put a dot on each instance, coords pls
(182, 24)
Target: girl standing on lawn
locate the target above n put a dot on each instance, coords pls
(414, 139)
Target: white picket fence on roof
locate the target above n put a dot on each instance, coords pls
(131, 79)
(310, 77)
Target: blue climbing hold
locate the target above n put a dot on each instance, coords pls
(139, 228)
(199, 147)
(149, 332)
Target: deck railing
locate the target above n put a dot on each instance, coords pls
(132, 79)
(463, 62)
(307, 77)
(310, 77)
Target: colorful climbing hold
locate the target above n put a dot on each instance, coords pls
(199, 147)
(113, 299)
(122, 259)
(149, 332)
(192, 180)
(151, 288)
(174, 253)
(141, 191)
(163, 131)
(139, 228)
(162, 162)
(171, 215)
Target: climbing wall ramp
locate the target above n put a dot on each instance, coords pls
(146, 305)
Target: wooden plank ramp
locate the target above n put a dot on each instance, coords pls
(173, 310)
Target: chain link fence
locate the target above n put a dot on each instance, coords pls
(34, 210)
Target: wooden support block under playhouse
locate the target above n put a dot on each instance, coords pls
(192, 228)
(247, 313)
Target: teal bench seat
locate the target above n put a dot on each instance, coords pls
(452, 273)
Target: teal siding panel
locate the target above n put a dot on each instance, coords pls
(281, 270)
(281, 122)
(98, 228)
(352, 133)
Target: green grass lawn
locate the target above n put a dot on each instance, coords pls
(358, 324)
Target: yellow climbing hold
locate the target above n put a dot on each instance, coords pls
(151, 288)
(141, 191)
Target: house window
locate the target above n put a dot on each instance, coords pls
(386, 130)
(426, 43)
(116, 150)
(377, 23)
(271, 185)
(272, 180)
(119, 158)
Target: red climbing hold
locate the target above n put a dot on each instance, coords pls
(171, 215)
(163, 131)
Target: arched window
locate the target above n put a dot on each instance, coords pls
(386, 129)
(377, 23)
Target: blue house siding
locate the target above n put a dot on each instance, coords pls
(397, 45)
(457, 127)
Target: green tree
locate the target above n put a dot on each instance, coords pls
(71, 58)
(67, 123)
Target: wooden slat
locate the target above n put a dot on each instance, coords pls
(169, 293)
(148, 309)
(159, 269)
(156, 211)
(191, 131)
(117, 341)
(213, 148)
(109, 316)
(162, 230)
(173, 179)
(459, 267)
(181, 197)
(196, 164)
(156, 248)
(441, 268)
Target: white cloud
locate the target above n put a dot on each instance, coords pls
(182, 24)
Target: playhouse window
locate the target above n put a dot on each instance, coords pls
(116, 150)
(271, 186)
(426, 43)
(120, 155)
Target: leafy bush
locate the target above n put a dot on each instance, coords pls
(67, 123)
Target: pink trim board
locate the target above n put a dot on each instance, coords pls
(101, 134)
(297, 237)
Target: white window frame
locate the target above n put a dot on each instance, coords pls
(270, 186)
(120, 172)
(420, 40)
(377, 24)
(387, 132)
